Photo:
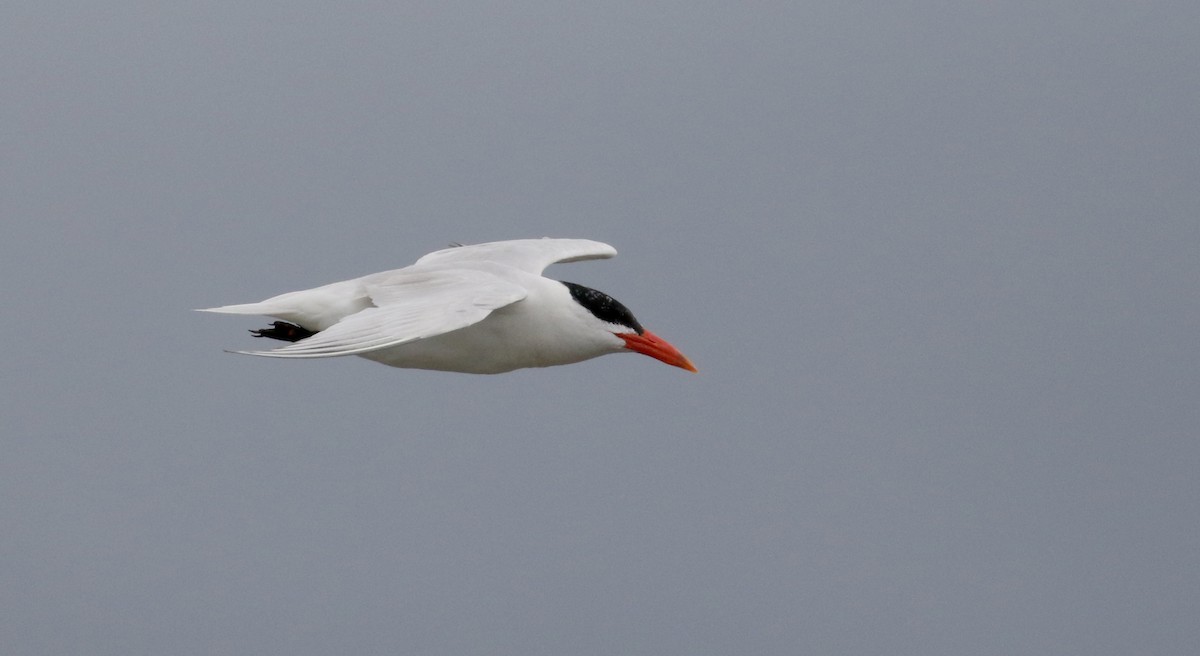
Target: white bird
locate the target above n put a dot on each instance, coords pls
(481, 309)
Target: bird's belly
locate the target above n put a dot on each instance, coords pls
(488, 347)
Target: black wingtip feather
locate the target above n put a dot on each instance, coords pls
(284, 331)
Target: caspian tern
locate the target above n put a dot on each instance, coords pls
(482, 309)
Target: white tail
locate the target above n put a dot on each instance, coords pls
(314, 309)
(244, 308)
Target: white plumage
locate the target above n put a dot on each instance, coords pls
(475, 309)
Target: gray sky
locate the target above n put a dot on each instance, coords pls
(937, 262)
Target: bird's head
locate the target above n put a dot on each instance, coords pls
(618, 320)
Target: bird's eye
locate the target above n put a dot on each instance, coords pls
(604, 307)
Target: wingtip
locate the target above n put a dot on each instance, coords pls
(267, 354)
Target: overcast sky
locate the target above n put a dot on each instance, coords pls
(937, 263)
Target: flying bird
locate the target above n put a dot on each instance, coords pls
(481, 309)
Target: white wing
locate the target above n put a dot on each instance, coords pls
(409, 305)
(531, 255)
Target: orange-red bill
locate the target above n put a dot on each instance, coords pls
(654, 346)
